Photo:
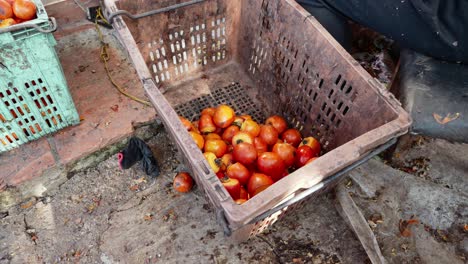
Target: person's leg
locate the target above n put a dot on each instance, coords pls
(333, 21)
(434, 27)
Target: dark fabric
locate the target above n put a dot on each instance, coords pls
(429, 86)
(437, 28)
(334, 22)
(135, 151)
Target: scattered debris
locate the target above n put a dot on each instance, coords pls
(372, 224)
(30, 231)
(405, 247)
(404, 226)
(29, 203)
(372, 51)
(76, 198)
(82, 68)
(448, 118)
(140, 180)
(148, 217)
(419, 166)
(297, 260)
(95, 203)
(4, 214)
(115, 108)
(77, 254)
(349, 184)
(169, 216)
(134, 187)
(376, 218)
(3, 185)
(439, 234)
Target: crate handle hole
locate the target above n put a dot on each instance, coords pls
(345, 111)
(13, 113)
(50, 99)
(25, 132)
(338, 79)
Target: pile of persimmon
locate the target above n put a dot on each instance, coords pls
(16, 11)
(248, 157)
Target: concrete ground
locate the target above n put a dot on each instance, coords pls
(105, 215)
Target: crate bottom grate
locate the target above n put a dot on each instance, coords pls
(233, 95)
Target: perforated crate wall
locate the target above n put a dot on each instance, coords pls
(187, 48)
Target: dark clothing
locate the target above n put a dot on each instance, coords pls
(437, 28)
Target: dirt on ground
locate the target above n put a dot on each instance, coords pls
(106, 215)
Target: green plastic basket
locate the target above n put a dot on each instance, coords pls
(34, 96)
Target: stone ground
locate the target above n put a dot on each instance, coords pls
(105, 215)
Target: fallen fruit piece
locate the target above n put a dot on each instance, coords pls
(198, 139)
(240, 137)
(243, 194)
(256, 181)
(286, 152)
(214, 163)
(404, 226)
(186, 123)
(238, 121)
(292, 136)
(269, 134)
(251, 127)
(216, 146)
(206, 125)
(24, 9)
(223, 116)
(313, 143)
(208, 111)
(271, 164)
(229, 133)
(7, 22)
(183, 182)
(226, 160)
(278, 123)
(244, 153)
(232, 186)
(5, 10)
(212, 136)
(303, 155)
(239, 172)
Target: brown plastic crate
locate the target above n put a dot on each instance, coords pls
(263, 57)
